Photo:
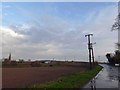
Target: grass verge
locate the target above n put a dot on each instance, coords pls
(75, 80)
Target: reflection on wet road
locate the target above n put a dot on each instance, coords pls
(108, 77)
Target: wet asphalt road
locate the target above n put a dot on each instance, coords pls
(108, 77)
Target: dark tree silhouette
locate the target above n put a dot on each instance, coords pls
(114, 59)
(116, 26)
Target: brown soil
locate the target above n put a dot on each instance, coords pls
(22, 77)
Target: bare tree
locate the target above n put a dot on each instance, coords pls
(116, 26)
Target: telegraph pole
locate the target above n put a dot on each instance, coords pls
(89, 48)
(93, 57)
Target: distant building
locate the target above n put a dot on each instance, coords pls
(45, 61)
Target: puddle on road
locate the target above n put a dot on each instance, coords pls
(108, 77)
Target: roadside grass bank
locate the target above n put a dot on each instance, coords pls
(75, 80)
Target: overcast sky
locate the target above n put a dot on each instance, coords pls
(42, 30)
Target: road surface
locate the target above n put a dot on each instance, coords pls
(107, 78)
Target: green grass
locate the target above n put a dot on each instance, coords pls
(75, 80)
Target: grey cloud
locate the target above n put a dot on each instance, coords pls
(50, 37)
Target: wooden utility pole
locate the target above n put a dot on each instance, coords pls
(89, 48)
(93, 57)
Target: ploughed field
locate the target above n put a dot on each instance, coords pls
(22, 77)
